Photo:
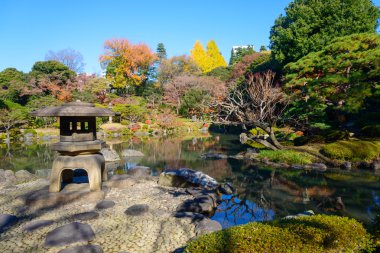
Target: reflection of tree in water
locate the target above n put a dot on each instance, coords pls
(174, 153)
(288, 192)
(24, 156)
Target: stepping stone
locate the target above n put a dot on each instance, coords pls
(104, 204)
(34, 225)
(69, 233)
(7, 221)
(85, 216)
(83, 249)
(137, 210)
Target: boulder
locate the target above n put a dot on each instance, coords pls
(43, 173)
(139, 172)
(346, 166)
(195, 178)
(9, 176)
(206, 226)
(37, 224)
(6, 221)
(173, 180)
(316, 166)
(137, 210)
(204, 204)
(83, 249)
(226, 188)
(191, 215)
(105, 204)
(375, 165)
(110, 155)
(306, 213)
(69, 233)
(214, 156)
(24, 175)
(131, 152)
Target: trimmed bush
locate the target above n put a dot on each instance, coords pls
(371, 131)
(319, 233)
(286, 156)
(356, 151)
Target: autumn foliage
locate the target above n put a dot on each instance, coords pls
(127, 64)
(207, 60)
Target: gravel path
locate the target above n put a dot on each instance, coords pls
(153, 231)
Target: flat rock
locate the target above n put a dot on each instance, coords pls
(83, 249)
(206, 225)
(104, 204)
(69, 233)
(37, 224)
(137, 210)
(131, 152)
(86, 216)
(6, 221)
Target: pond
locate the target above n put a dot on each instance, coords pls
(263, 193)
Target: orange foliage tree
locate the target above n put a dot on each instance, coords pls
(127, 64)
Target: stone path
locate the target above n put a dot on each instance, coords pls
(131, 215)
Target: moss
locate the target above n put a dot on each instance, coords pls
(286, 156)
(319, 233)
(355, 151)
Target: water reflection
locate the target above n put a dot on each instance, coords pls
(262, 193)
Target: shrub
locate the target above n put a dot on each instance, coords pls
(286, 156)
(303, 140)
(371, 131)
(335, 135)
(355, 151)
(27, 131)
(319, 233)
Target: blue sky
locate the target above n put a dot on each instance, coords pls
(29, 29)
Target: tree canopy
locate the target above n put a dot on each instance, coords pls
(309, 25)
(127, 64)
(70, 57)
(207, 60)
(338, 78)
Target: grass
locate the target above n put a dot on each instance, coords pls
(287, 156)
(354, 151)
(318, 233)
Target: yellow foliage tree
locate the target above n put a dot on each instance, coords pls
(207, 60)
(216, 57)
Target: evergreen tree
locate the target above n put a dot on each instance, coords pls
(238, 53)
(263, 48)
(161, 51)
(309, 25)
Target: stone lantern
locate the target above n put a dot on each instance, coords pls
(78, 146)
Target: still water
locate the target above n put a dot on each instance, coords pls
(263, 193)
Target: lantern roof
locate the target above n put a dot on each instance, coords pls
(78, 108)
